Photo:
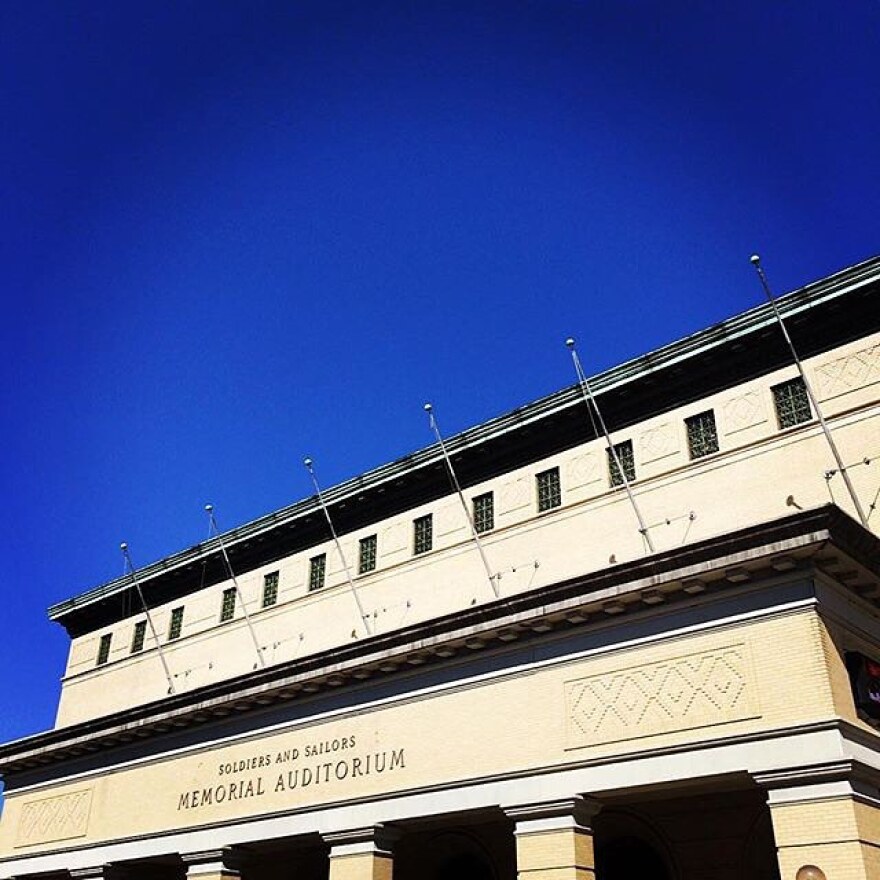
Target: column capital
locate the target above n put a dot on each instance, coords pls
(100, 872)
(372, 839)
(820, 782)
(576, 812)
(224, 861)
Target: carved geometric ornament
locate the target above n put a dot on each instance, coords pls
(695, 690)
(54, 818)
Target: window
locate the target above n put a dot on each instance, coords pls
(137, 640)
(702, 434)
(423, 534)
(484, 512)
(227, 609)
(270, 589)
(367, 554)
(549, 493)
(627, 462)
(792, 403)
(104, 649)
(176, 625)
(317, 571)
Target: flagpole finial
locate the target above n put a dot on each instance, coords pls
(569, 342)
(755, 260)
(209, 508)
(429, 407)
(307, 462)
(123, 547)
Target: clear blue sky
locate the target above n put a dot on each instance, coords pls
(236, 233)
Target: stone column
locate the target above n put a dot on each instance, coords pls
(213, 864)
(554, 839)
(362, 853)
(826, 827)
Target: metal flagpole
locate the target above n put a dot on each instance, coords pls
(429, 409)
(756, 262)
(311, 469)
(126, 556)
(212, 524)
(592, 405)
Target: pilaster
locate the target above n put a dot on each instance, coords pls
(554, 839)
(362, 853)
(826, 822)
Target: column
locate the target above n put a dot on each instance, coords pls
(213, 864)
(826, 830)
(554, 839)
(362, 853)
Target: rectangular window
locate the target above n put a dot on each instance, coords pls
(176, 625)
(104, 649)
(367, 554)
(627, 462)
(702, 434)
(792, 403)
(227, 608)
(549, 491)
(137, 640)
(270, 589)
(484, 512)
(423, 534)
(317, 571)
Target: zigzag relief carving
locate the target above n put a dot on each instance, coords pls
(695, 690)
(55, 818)
(852, 371)
(743, 412)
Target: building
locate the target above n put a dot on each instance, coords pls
(703, 707)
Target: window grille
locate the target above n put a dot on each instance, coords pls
(104, 649)
(227, 608)
(792, 403)
(176, 626)
(549, 489)
(270, 589)
(367, 554)
(140, 633)
(627, 460)
(484, 512)
(423, 534)
(317, 571)
(702, 434)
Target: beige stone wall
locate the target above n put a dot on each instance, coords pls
(748, 481)
(689, 690)
(839, 835)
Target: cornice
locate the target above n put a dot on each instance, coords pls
(754, 324)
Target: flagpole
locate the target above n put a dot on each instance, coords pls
(212, 523)
(590, 401)
(755, 260)
(432, 421)
(126, 556)
(309, 464)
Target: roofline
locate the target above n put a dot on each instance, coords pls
(747, 322)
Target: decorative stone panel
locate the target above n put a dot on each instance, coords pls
(395, 538)
(55, 818)
(690, 691)
(449, 519)
(849, 372)
(515, 495)
(581, 470)
(744, 411)
(658, 442)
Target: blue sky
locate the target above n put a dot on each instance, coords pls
(236, 233)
